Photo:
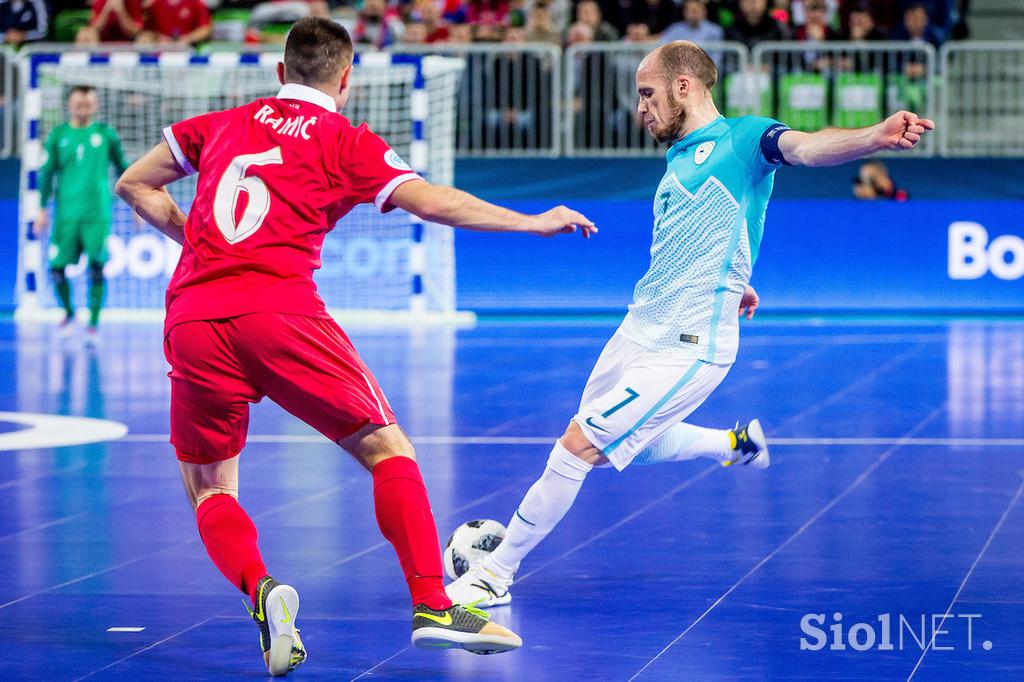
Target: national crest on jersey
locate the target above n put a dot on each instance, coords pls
(708, 219)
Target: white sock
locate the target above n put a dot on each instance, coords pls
(685, 441)
(544, 505)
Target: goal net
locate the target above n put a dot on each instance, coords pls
(374, 266)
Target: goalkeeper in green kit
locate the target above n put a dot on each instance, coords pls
(78, 158)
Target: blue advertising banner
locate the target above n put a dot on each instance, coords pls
(817, 256)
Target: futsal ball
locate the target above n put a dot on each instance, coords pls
(470, 543)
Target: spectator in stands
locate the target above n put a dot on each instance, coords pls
(874, 182)
(862, 28)
(488, 32)
(883, 13)
(589, 13)
(116, 20)
(959, 29)
(862, 25)
(186, 22)
(486, 12)
(799, 10)
(695, 26)
(516, 17)
(460, 34)
(87, 36)
(780, 12)
(579, 33)
(638, 33)
(23, 21)
(512, 119)
(377, 26)
(539, 28)
(753, 25)
(657, 14)
(940, 15)
(560, 13)
(917, 27)
(815, 26)
(415, 33)
(429, 13)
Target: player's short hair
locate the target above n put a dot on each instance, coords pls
(316, 51)
(84, 89)
(682, 56)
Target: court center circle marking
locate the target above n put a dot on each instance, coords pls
(52, 431)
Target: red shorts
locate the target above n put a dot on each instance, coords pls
(304, 364)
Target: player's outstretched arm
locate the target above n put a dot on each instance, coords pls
(143, 187)
(450, 206)
(833, 146)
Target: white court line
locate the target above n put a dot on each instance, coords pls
(125, 629)
(146, 648)
(386, 660)
(970, 571)
(799, 531)
(547, 440)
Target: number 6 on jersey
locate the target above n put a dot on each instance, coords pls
(232, 183)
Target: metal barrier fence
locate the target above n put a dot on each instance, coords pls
(982, 103)
(848, 85)
(531, 99)
(600, 97)
(10, 74)
(508, 99)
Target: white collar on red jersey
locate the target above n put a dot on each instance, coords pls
(304, 93)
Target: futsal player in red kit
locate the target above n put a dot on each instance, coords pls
(244, 320)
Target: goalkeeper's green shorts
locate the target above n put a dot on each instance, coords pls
(70, 238)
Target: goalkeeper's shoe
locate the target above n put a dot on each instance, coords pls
(460, 627)
(479, 587)
(277, 606)
(66, 329)
(750, 447)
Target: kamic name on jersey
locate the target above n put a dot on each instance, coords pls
(294, 126)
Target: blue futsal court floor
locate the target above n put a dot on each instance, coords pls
(891, 514)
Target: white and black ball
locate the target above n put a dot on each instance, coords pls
(470, 543)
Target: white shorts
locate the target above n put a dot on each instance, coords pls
(634, 395)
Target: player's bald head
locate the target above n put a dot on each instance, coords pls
(682, 57)
(316, 52)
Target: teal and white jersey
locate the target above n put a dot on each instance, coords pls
(708, 221)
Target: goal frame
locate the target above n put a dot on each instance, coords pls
(32, 248)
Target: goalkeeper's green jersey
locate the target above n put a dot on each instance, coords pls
(79, 159)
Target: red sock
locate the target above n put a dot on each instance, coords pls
(405, 519)
(230, 539)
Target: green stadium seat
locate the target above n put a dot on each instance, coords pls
(856, 99)
(747, 94)
(230, 24)
(803, 101)
(67, 23)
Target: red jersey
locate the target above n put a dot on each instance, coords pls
(110, 30)
(175, 18)
(275, 176)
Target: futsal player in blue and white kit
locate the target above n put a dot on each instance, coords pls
(680, 336)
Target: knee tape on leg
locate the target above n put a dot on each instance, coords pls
(567, 465)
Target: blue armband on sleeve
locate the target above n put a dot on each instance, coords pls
(770, 144)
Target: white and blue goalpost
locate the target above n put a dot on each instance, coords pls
(377, 268)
